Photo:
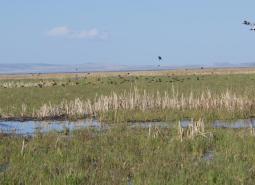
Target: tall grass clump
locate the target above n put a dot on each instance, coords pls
(141, 100)
(194, 129)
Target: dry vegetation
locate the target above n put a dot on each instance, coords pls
(141, 100)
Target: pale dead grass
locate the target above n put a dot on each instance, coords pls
(141, 100)
(144, 101)
(194, 129)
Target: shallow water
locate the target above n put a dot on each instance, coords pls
(241, 123)
(235, 124)
(208, 156)
(4, 167)
(32, 127)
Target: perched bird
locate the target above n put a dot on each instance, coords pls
(159, 58)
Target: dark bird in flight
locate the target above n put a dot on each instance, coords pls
(159, 59)
(252, 25)
(246, 23)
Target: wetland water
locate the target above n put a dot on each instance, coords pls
(32, 127)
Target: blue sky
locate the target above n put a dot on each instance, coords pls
(126, 32)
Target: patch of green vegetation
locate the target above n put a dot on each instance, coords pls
(124, 155)
(171, 115)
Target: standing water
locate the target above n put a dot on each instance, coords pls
(31, 127)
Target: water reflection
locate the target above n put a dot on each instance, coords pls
(31, 127)
(208, 156)
(241, 123)
(4, 167)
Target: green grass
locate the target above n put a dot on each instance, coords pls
(11, 99)
(122, 154)
(119, 154)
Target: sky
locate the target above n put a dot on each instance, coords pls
(126, 32)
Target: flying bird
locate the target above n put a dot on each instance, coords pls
(159, 59)
(246, 22)
(252, 25)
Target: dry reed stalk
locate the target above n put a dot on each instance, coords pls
(149, 130)
(22, 147)
(252, 130)
(194, 129)
(144, 101)
(180, 131)
(23, 109)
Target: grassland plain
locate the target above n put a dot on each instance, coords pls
(25, 97)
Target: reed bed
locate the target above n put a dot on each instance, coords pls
(141, 100)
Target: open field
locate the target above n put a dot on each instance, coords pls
(132, 96)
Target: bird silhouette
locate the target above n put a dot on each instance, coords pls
(246, 22)
(252, 25)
